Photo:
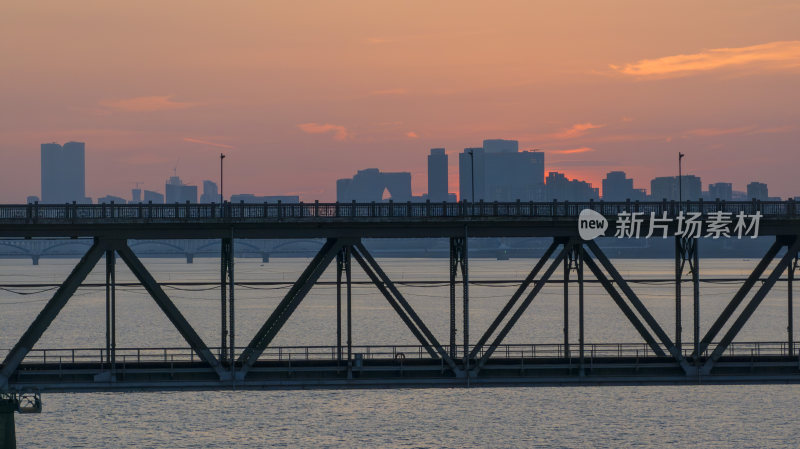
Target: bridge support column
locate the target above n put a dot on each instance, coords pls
(111, 311)
(581, 339)
(8, 437)
(686, 252)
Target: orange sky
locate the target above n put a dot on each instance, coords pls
(299, 94)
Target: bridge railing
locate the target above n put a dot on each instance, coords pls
(299, 353)
(246, 212)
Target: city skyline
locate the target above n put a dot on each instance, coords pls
(300, 96)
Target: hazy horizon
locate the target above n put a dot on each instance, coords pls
(298, 96)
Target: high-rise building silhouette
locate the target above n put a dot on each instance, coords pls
(561, 188)
(372, 185)
(136, 195)
(63, 170)
(501, 172)
(618, 187)
(437, 175)
(178, 192)
(667, 187)
(210, 192)
(758, 191)
(720, 190)
(153, 197)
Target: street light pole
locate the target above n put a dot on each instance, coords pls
(680, 178)
(221, 197)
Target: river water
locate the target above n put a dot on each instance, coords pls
(706, 416)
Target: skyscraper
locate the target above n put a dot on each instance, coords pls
(210, 192)
(437, 175)
(63, 171)
(178, 192)
(618, 187)
(758, 191)
(501, 172)
(371, 184)
(720, 190)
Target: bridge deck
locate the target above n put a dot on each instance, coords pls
(315, 220)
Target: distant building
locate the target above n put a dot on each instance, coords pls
(210, 192)
(153, 197)
(618, 187)
(373, 185)
(499, 172)
(136, 195)
(32, 199)
(63, 171)
(559, 187)
(720, 190)
(178, 192)
(111, 199)
(758, 191)
(667, 187)
(250, 198)
(437, 175)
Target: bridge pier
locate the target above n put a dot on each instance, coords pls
(8, 437)
(35, 259)
(790, 299)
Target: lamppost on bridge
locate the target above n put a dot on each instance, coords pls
(221, 197)
(680, 178)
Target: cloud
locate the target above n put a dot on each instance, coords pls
(780, 54)
(573, 150)
(746, 130)
(574, 131)
(385, 92)
(205, 142)
(147, 104)
(339, 132)
(412, 135)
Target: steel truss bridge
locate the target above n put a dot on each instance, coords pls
(475, 357)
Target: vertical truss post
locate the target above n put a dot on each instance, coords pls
(679, 263)
(570, 263)
(231, 312)
(223, 300)
(339, 271)
(789, 296)
(582, 370)
(453, 273)
(111, 337)
(464, 262)
(348, 278)
(458, 260)
(686, 252)
(694, 265)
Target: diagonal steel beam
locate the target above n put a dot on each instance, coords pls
(51, 310)
(739, 297)
(525, 303)
(289, 303)
(170, 310)
(751, 306)
(393, 302)
(514, 298)
(615, 295)
(638, 304)
(406, 306)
